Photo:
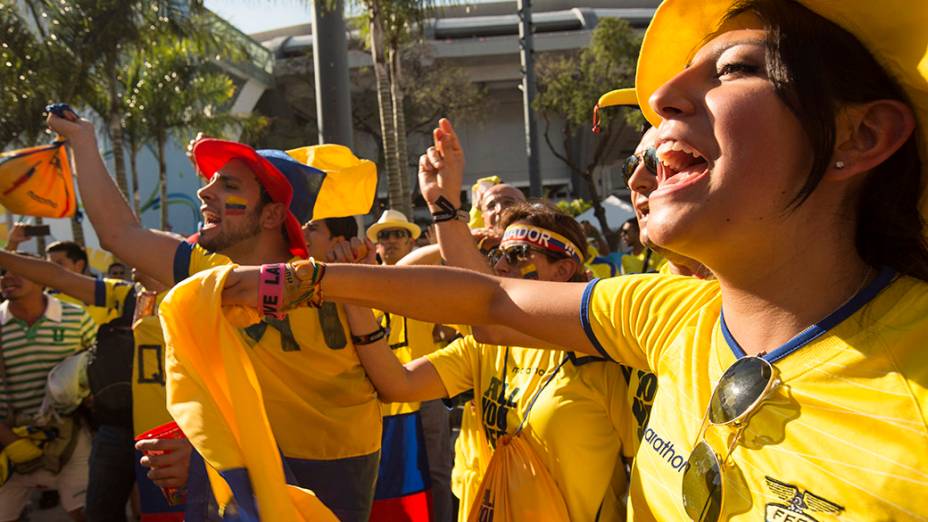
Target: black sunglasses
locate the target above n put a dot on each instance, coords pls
(514, 255)
(737, 396)
(631, 163)
(398, 233)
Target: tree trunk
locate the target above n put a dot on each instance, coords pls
(381, 77)
(163, 182)
(134, 167)
(115, 131)
(399, 127)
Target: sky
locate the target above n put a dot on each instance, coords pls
(252, 16)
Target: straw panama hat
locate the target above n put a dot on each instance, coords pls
(392, 219)
(892, 30)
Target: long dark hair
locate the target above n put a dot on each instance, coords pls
(817, 68)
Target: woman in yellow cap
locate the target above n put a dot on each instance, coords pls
(793, 151)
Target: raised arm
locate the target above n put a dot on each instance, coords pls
(116, 225)
(441, 171)
(395, 382)
(51, 275)
(545, 310)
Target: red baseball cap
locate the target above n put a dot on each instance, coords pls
(269, 166)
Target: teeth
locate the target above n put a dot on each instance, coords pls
(666, 147)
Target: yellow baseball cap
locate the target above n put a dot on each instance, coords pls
(892, 30)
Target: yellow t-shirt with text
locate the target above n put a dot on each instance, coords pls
(844, 436)
(577, 425)
(320, 404)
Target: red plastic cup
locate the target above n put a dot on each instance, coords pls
(174, 496)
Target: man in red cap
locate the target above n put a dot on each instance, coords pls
(323, 411)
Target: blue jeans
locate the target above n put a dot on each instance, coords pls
(112, 474)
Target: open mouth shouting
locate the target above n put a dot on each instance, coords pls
(211, 219)
(680, 165)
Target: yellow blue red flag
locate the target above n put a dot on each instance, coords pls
(215, 398)
(37, 181)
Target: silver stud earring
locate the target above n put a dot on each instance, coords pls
(839, 164)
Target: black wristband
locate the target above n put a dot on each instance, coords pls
(448, 212)
(373, 337)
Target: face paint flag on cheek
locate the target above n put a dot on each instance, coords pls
(529, 271)
(235, 206)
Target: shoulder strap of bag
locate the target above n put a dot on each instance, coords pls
(531, 403)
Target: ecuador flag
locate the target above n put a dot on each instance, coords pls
(215, 398)
(37, 181)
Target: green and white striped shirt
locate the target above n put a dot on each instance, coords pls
(30, 352)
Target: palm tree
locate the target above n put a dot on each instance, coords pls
(176, 92)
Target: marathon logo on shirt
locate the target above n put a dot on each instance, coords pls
(666, 450)
(798, 503)
(495, 405)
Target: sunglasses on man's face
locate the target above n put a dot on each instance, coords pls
(397, 233)
(737, 396)
(631, 163)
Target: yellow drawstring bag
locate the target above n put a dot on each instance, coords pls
(517, 485)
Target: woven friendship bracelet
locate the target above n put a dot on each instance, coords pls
(302, 280)
(271, 290)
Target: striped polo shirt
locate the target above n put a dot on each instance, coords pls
(30, 352)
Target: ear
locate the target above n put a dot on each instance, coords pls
(868, 134)
(273, 215)
(564, 269)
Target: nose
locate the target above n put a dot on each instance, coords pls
(207, 192)
(672, 100)
(643, 181)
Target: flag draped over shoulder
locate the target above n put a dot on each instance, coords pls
(215, 398)
(37, 181)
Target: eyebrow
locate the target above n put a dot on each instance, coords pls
(720, 50)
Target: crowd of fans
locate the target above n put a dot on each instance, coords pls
(506, 364)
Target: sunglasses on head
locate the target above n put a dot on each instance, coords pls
(631, 163)
(737, 396)
(398, 233)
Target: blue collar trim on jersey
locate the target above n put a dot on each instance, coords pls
(864, 296)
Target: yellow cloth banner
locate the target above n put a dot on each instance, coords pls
(37, 181)
(214, 396)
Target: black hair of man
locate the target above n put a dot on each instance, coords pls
(72, 251)
(344, 227)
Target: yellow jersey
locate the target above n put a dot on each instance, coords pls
(408, 340)
(634, 263)
(319, 401)
(577, 426)
(103, 310)
(149, 400)
(844, 436)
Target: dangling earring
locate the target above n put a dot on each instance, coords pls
(839, 164)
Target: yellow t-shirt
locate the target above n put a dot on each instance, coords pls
(634, 264)
(149, 400)
(408, 340)
(843, 438)
(576, 426)
(103, 310)
(319, 402)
